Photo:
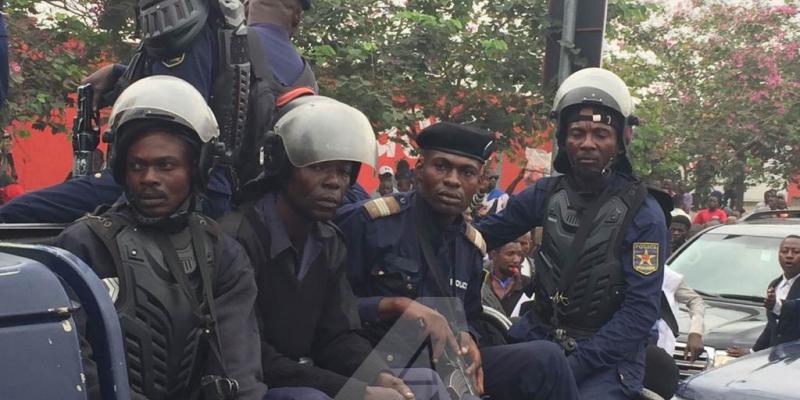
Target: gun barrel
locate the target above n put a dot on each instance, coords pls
(85, 136)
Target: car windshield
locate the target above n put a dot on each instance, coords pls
(732, 265)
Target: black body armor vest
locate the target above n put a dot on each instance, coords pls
(594, 289)
(166, 323)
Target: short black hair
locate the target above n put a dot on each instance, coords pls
(683, 220)
(790, 237)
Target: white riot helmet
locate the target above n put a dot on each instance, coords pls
(609, 95)
(315, 129)
(167, 103)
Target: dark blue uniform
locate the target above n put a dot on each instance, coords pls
(385, 260)
(609, 364)
(68, 201)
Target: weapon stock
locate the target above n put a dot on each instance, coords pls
(85, 134)
(459, 383)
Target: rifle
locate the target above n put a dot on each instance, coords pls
(459, 384)
(85, 134)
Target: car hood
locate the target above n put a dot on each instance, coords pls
(727, 322)
(768, 374)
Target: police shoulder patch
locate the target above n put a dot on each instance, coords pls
(382, 207)
(475, 237)
(645, 257)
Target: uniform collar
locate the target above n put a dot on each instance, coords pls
(279, 235)
(427, 213)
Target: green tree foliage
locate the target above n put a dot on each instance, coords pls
(463, 60)
(53, 44)
(718, 83)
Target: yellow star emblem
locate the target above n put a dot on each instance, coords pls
(645, 258)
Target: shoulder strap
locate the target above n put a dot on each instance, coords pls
(382, 207)
(106, 228)
(475, 237)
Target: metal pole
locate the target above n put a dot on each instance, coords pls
(564, 63)
(567, 39)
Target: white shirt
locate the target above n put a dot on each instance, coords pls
(781, 292)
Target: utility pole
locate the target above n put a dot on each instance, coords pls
(567, 39)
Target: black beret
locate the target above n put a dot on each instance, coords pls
(462, 140)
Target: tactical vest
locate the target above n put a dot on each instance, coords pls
(596, 290)
(243, 96)
(166, 327)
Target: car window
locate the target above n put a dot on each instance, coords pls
(729, 264)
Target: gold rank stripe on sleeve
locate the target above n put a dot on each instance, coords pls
(382, 207)
(476, 238)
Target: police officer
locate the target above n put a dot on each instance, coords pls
(409, 252)
(600, 266)
(191, 49)
(183, 290)
(310, 346)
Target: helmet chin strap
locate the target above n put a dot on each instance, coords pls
(607, 168)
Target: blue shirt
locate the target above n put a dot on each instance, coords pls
(195, 66)
(620, 342)
(267, 209)
(286, 63)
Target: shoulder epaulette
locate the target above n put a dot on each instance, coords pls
(475, 238)
(382, 207)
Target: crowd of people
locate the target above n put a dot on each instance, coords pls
(272, 274)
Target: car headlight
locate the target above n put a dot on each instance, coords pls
(721, 358)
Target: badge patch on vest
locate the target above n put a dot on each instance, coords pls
(172, 63)
(645, 257)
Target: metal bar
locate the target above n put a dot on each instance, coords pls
(567, 38)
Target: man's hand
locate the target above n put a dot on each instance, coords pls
(434, 325)
(382, 393)
(694, 347)
(769, 301)
(736, 351)
(390, 381)
(469, 350)
(102, 81)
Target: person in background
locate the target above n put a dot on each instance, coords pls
(6, 157)
(504, 285)
(733, 216)
(679, 231)
(495, 199)
(405, 181)
(782, 301)
(385, 182)
(676, 292)
(780, 202)
(687, 200)
(712, 212)
(768, 203)
(526, 267)
(666, 185)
